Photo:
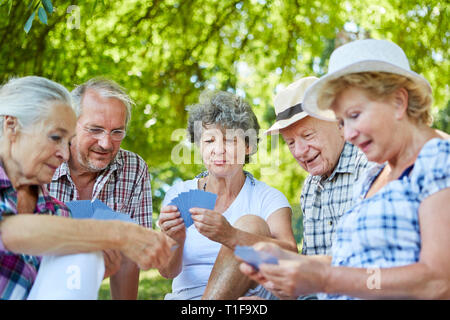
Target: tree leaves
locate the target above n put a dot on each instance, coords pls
(42, 15)
(48, 6)
(41, 7)
(165, 53)
(29, 22)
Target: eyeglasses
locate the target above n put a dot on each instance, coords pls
(100, 133)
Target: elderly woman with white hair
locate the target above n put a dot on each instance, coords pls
(246, 211)
(393, 243)
(36, 125)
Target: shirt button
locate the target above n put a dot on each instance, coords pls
(330, 222)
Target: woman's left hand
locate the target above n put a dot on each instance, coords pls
(295, 277)
(212, 224)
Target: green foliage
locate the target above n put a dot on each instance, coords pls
(152, 286)
(166, 52)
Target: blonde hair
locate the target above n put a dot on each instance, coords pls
(378, 86)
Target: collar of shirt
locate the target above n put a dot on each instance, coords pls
(5, 183)
(45, 203)
(346, 164)
(117, 163)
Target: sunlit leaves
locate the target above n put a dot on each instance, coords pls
(166, 52)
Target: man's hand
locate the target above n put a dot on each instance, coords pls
(147, 248)
(113, 260)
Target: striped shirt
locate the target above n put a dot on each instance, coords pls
(18, 271)
(325, 199)
(383, 231)
(124, 186)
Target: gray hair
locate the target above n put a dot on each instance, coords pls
(107, 89)
(30, 99)
(226, 110)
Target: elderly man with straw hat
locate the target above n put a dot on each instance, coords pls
(333, 165)
(393, 242)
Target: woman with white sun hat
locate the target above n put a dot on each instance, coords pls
(394, 242)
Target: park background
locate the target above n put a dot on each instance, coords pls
(165, 53)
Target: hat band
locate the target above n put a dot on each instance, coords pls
(290, 112)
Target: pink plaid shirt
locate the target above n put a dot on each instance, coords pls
(123, 186)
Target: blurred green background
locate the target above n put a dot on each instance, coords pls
(166, 52)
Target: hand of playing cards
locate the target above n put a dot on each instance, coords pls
(86, 209)
(254, 257)
(193, 198)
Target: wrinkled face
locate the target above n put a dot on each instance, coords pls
(38, 151)
(98, 113)
(315, 144)
(368, 124)
(223, 151)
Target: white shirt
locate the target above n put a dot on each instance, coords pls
(200, 253)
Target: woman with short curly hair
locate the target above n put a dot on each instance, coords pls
(246, 211)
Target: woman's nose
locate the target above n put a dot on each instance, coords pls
(350, 133)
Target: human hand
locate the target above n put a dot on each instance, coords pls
(113, 260)
(146, 247)
(266, 279)
(212, 224)
(295, 277)
(172, 224)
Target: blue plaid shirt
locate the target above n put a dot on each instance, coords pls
(383, 231)
(325, 199)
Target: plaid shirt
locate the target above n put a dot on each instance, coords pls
(18, 271)
(383, 231)
(123, 186)
(324, 200)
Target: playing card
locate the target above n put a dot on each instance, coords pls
(85, 209)
(193, 198)
(80, 209)
(253, 257)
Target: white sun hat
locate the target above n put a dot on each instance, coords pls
(288, 104)
(360, 56)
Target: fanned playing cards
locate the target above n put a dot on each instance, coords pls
(254, 257)
(193, 199)
(86, 209)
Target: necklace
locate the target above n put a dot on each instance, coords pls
(206, 181)
(205, 175)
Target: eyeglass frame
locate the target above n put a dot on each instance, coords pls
(103, 133)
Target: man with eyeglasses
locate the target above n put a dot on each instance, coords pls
(99, 169)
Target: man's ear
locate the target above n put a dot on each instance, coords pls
(400, 101)
(10, 127)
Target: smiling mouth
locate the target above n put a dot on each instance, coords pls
(52, 167)
(103, 153)
(311, 160)
(363, 146)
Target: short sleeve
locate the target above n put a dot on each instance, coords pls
(271, 200)
(142, 198)
(431, 171)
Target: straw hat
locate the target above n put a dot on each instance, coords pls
(360, 56)
(288, 104)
